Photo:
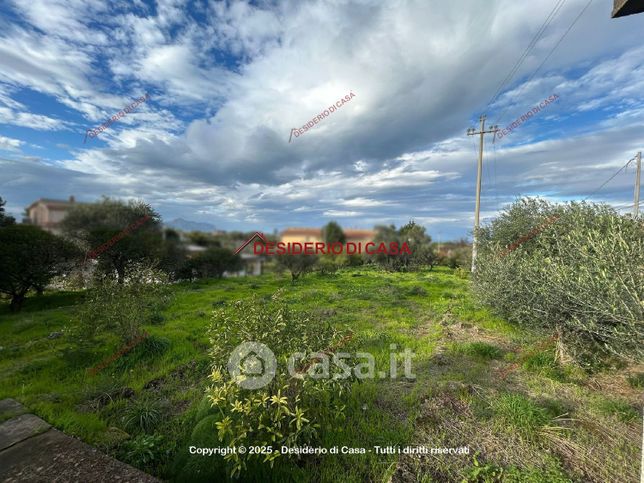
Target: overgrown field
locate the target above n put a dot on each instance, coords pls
(480, 382)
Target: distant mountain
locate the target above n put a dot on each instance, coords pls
(187, 225)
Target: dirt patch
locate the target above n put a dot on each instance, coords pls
(617, 383)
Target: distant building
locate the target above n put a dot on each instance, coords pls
(302, 235)
(251, 265)
(47, 214)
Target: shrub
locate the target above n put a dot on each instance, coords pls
(211, 263)
(29, 259)
(420, 244)
(143, 450)
(122, 307)
(286, 411)
(296, 264)
(329, 264)
(455, 254)
(142, 415)
(416, 290)
(575, 268)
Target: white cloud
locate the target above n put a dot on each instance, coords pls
(230, 79)
(10, 144)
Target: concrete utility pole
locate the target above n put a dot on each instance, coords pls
(471, 132)
(636, 200)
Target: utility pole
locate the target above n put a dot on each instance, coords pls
(636, 200)
(471, 132)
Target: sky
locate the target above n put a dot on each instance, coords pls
(228, 81)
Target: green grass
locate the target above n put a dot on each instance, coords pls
(518, 413)
(147, 407)
(618, 408)
(480, 350)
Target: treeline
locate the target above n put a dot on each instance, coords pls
(422, 252)
(99, 240)
(104, 239)
(576, 269)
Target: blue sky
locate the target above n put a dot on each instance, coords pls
(229, 80)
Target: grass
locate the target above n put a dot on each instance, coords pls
(479, 382)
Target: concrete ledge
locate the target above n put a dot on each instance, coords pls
(20, 428)
(31, 450)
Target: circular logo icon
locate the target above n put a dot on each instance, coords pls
(252, 365)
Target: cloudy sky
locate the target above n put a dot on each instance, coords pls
(229, 80)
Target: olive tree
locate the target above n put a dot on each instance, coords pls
(30, 258)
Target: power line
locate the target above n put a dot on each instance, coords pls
(526, 52)
(609, 179)
(551, 51)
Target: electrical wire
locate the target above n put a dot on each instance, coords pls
(550, 53)
(609, 179)
(528, 50)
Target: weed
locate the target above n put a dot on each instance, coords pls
(417, 290)
(544, 363)
(142, 415)
(636, 381)
(143, 449)
(520, 414)
(480, 350)
(620, 409)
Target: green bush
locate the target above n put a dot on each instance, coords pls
(143, 450)
(287, 410)
(576, 268)
(296, 264)
(211, 263)
(422, 254)
(329, 264)
(122, 307)
(29, 259)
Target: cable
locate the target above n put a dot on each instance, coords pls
(550, 53)
(609, 179)
(526, 52)
(624, 207)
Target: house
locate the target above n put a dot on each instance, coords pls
(302, 235)
(47, 214)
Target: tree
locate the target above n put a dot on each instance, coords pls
(211, 263)
(329, 262)
(5, 220)
(296, 264)
(420, 244)
(123, 308)
(30, 258)
(173, 255)
(332, 233)
(575, 268)
(117, 234)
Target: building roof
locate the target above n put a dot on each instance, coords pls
(53, 203)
